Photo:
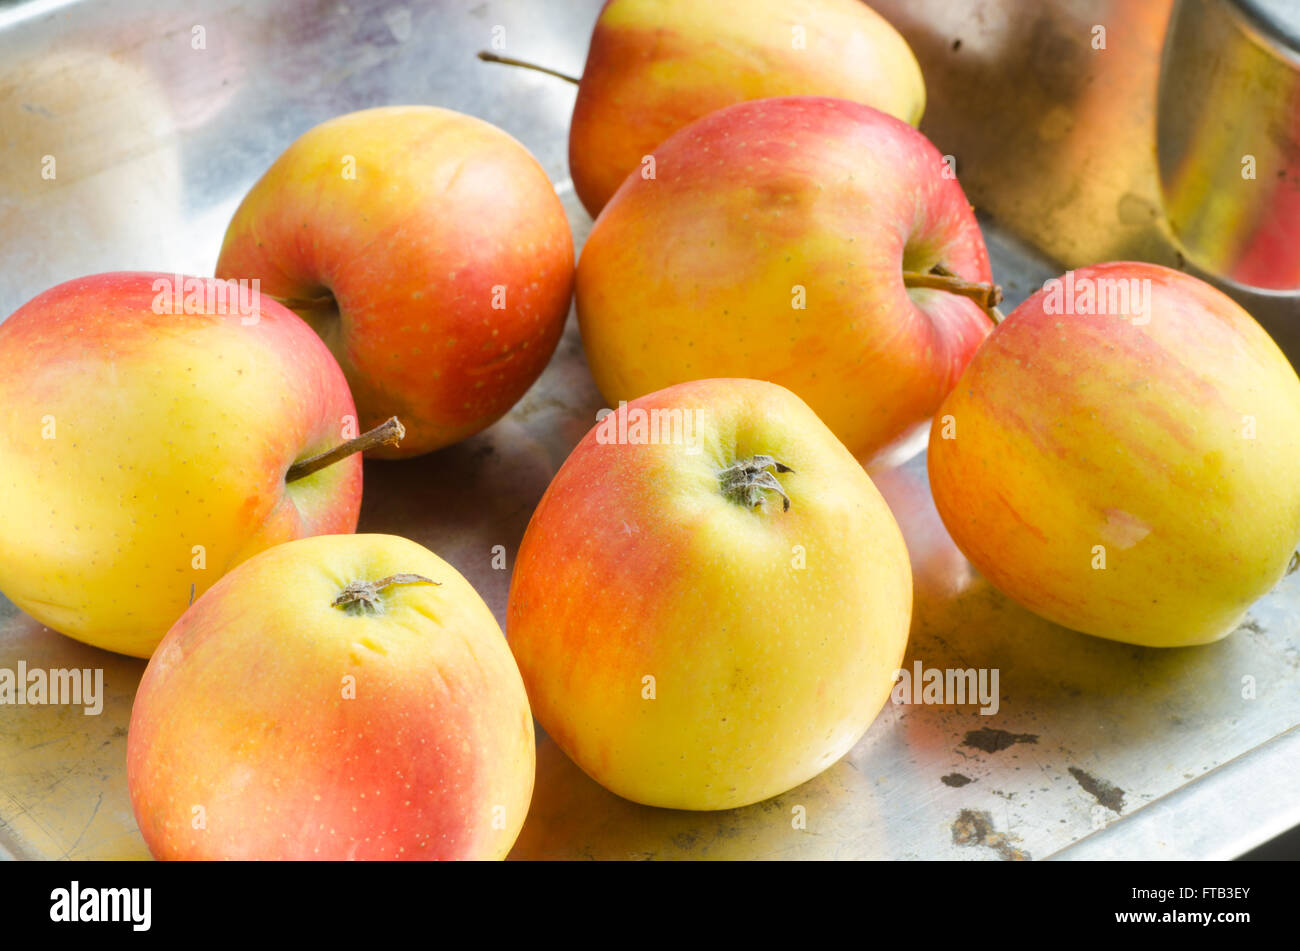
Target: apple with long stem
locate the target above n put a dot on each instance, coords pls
(156, 431)
(711, 599)
(1122, 456)
(340, 697)
(817, 243)
(655, 66)
(429, 251)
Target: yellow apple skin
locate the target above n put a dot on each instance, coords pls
(771, 636)
(143, 453)
(772, 245)
(441, 251)
(1171, 448)
(307, 731)
(655, 66)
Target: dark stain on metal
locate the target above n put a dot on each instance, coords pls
(956, 780)
(992, 741)
(976, 828)
(1109, 795)
(685, 840)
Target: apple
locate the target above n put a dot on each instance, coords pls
(1121, 456)
(148, 426)
(339, 697)
(788, 240)
(655, 66)
(711, 599)
(429, 251)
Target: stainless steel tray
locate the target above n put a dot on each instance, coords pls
(1103, 749)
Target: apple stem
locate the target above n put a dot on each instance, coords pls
(365, 594)
(1294, 564)
(939, 278)
(745, 482)
(387, 433)
(511, 61)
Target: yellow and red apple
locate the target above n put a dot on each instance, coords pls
(779, 241)
(149, 424)
(429, 251)
(655, 66)
(711, 599)
(340, 697)
(1122, 456)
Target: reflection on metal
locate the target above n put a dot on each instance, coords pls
(1229, 144)
(1049, 111)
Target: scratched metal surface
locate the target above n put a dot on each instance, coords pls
(1098, 748)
